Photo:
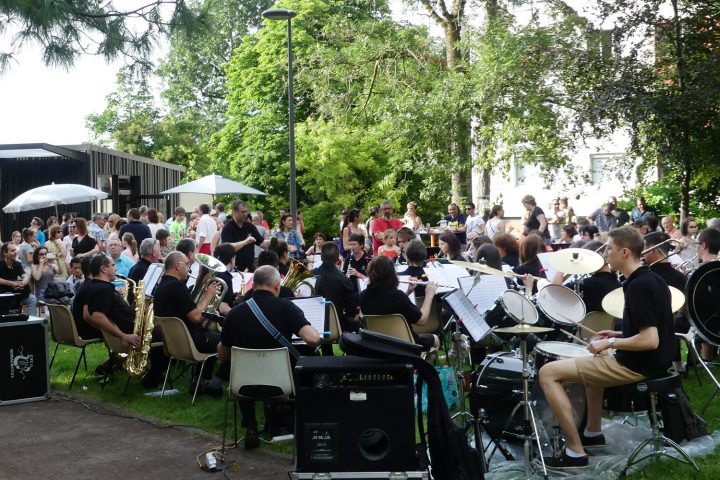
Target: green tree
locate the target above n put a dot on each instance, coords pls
(66, 29)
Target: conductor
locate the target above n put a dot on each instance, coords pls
(643, 349)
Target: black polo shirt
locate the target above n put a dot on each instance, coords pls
(139, 230)
(647, 304)
(671, 276)
(243, 329)
(11, 273)
(172, 299)
(337, 288)
(138, 271)
(81, 298)
(229, 296)
(594, 289)
(386, 301)
(285, 292)
(232, 233)
(360, 264)
(102, 297)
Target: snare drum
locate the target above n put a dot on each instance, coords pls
(560, 305)
(518, 307)
(546, 352)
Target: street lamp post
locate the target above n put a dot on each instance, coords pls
(284, 14)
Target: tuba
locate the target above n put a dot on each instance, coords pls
(209, 267)
(297, 275)
(137, 360)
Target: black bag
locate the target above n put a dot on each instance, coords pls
(679, 420)
(451, 456)
(58, 290)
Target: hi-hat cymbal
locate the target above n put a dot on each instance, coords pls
(523, 329)
(576, 261)
(614, 302)
(482, 268)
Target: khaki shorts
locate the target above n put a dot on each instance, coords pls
(605, 371)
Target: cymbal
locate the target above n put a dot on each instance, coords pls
(482, 268)
(614, 302)
(576, 261)
(523, 329)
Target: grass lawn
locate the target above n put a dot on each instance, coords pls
(208, 413)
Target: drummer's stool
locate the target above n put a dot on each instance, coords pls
(657, 439)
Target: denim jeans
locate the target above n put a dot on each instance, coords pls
(31, 302)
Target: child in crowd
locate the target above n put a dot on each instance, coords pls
(390, 248)
(318, 239)
(76, 277)
(178, 227)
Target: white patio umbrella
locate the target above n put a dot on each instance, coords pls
(52, 196)
(214, 185)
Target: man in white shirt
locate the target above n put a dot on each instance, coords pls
(206, 228)
(473, 222)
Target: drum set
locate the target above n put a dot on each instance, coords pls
(506, 401)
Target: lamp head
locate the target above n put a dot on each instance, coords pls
(278, 14)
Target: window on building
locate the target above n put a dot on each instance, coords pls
(520, 173)
(599, 163)
(601, 43)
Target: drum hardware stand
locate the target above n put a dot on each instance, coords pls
(690, 341)
(530, 430)
(483, 420)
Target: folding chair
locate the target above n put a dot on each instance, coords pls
(393, 325)
(64, 332)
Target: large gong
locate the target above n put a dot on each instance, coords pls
(702, 294)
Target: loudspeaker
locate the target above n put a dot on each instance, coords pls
(354, 414)
(24, 369)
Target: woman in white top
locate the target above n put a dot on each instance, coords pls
(411, 219)
(495, 223)
(155, 223)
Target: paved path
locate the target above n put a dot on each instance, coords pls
(60, 439)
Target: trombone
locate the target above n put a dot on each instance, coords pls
(676, 245)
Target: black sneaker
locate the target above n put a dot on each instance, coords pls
(565, 462)
(252, 439)
(104, 370)
(592, 442)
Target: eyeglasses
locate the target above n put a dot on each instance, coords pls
(72, 226)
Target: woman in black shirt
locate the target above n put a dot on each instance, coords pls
(536, 218)
(529, 261)
(83, 245)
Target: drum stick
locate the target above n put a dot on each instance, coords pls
(587, 329)
(573, 336)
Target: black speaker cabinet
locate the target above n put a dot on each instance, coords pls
(24, 365)
(354, 414)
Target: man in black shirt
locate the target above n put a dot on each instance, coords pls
(13, 278)
(149, 253)
(644, 349)
(337, 288)
(243, 236)
(657, 260)
(243, 329)
(80, 300)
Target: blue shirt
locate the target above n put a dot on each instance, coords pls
(123, 265)
(292, 238)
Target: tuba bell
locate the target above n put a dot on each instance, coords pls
(137, 359)
(297, 275)
(209, 267)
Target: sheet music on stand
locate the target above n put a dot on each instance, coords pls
(473, 320)
(315, 310)
(485, 293)
(444, 274)
(152, 277)
(544, 258)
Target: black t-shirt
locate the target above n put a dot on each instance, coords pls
(139, 230)
(458, 221)
(229, 296)
(138, 271)
(81, 299)
(358, 264)
(671, 276)
(534, 268)
(337, 288)
(647, 304)
(172, 299)
(386, 301)
(594, 289)
(512, 259)
(285, 292)
(533, 223)
(102, 297)
(243, 329)
(12, 273)
(232, 233)
(84, 245)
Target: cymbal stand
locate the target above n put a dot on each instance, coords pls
(690, 341)
(530, 430)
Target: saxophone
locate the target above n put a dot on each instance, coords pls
(137, 360)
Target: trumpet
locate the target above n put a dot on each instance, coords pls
(677, 246)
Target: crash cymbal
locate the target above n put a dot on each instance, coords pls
(523, 329)
(614, 302)
(482, 268)
(576, 261)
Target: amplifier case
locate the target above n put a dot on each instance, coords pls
(24, 375)
(354, 414)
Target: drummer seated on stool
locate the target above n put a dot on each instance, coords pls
(644, 349)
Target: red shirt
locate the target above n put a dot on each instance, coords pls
(380, 225)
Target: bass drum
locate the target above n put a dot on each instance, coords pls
(702, 295)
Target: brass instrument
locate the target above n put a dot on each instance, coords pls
(137, 360)
(676, 244)
(126, 285)
(206, 277)
(297, 275)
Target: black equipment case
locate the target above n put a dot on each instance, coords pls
(24, 375)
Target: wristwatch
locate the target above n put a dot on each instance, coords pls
(611, 342)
